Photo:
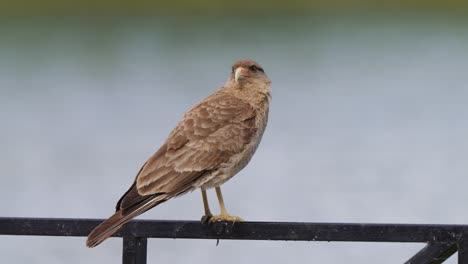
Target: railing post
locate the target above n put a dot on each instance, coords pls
(134, 250)
(463, 248)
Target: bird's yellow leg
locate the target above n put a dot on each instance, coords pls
(205, 218)
(224, 216)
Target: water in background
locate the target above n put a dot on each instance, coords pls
(368, 124)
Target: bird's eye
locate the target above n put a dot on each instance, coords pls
(255, 68)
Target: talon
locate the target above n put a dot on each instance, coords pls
(206, 219)
(225, 218)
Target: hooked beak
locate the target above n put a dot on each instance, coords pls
(240, 73)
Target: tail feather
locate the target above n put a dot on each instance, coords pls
(121, 217)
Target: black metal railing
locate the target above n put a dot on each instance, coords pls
(442, 241)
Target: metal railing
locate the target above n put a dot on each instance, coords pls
(442, 241)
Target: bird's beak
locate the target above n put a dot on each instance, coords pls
(240, 73)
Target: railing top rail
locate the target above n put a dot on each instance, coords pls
(298, 231)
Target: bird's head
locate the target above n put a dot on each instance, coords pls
(248, 71)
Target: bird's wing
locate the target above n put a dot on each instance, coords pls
(207, 136)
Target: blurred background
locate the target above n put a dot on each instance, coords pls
(368, 121)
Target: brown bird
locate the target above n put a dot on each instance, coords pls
(214, 140)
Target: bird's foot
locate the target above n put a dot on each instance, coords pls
(225, 218)
(206, 218)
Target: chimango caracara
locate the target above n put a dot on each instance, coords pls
(214, 140)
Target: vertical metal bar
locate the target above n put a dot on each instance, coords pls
(463, 249)
(134, 250)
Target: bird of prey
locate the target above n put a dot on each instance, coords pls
(214, 140)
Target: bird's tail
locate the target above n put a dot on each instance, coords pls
(122, 216)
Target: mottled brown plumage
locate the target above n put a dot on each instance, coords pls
(214, 140)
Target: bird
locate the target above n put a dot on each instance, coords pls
(214, 140)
